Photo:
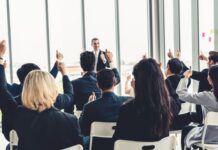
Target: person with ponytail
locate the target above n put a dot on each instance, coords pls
(209, 102)
(148, 116)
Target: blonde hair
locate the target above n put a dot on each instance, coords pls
(39, 91)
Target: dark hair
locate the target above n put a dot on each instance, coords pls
(105, 79)
(151, 96)
(87, 61)
(213, 73)
(94, 39)
(213, 55)
(24, 70)
(175, 65)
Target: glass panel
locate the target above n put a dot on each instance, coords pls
(169, 27)
(186, 32)
(4, 34)
(28, 33)
(206, 28)
(133, 35)
(100, 23)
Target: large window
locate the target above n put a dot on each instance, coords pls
(100, 23)
(28, 30)
(4, 33)
(206, 28)
(65, 29)
(186, 32)
(133, 34)
(169, 26)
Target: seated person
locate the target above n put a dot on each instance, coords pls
(104, 109)
(207, 99)
(148, 116)
(38, 124)
(174, 67)
(63, 100)
(86, 85)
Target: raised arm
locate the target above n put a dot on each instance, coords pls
(66, 99)
(59, 58)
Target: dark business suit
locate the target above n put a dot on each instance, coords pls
(132, 126)
(105, 109)
(100, 63)
(62, 101)
(174, 80)
(83, 88)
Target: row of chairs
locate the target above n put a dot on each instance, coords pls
(106, 130)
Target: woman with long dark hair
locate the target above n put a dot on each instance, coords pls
(147, 117)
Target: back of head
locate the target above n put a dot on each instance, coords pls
(175, 65)
(87, 61)
(213, 73)
(213, 55)
(39, 91)
(105, 79)
(24, 70)
(151, 95)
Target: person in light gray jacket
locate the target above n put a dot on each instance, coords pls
(209, 102)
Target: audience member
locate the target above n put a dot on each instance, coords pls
(38, 124)
(148, 116)
(207, 99)
(86, 85)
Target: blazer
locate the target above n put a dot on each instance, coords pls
(105, 109)
(100, 63)
(62, 101)
(83, 88)
(49, 129)
(131, 126)
(174, 80)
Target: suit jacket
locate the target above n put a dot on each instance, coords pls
(50, 129)
(131, 126)
(105, 109)
(62, 101)
(174, 80)
(202, 78)
(83, 88)
(101, 64)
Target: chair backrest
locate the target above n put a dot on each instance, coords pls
(210, 121)
(101, 129)
(168, 143)
(13, 139)
(75, 147)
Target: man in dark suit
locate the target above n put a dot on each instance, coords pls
(104, 109)
(174, 67)
(86, 85)
(101, 61)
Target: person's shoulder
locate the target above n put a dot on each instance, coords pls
(62, 116)
(205, 70)
(127, 104)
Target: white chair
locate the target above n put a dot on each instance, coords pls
(210, 120)
(75, 147)
(101, 129)
(13, 139)
(185, 108)
(168, 143)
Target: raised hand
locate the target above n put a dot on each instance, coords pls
(62, 68)
(92, 97)
(109, 56)
(178, 54)
(202, 56)
(188, 73)
(59, 56)
(170, 54)
(103, 57)
(2, 48)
